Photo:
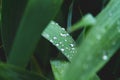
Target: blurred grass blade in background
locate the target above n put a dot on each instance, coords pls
(34, 20)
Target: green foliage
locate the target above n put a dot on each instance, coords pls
(25, 21)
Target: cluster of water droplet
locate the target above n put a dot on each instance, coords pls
(62, 40)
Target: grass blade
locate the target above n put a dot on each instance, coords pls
(12, 12)
(60, 38)
(8, 72)
(64, 42)
(35, 19)
(101, 41)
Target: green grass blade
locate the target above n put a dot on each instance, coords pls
(60, 38)
(64, 42)
(70, 13)
(86, 21)
(8, 72)
(100, 44)
(35, 19)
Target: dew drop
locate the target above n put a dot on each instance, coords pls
(72, 45)
(56, 24)
(57, 44)
(73, 48)
(46, 35)
(60, 42)
(64, 34)
(63, 29)
(62, 45)
(52, 22)
(65, 40)
(105, 57)
(67, 48)
(51, 40)
(62, 50)
(54, 38)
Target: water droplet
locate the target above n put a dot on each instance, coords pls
(62, 50)
(57, 44)
(60, 42)
(63, 29)
(72, 45)
(64, 34)
(57, 24)
(46, 35)
(51, 41)
(67, 48)
(105, 57)
(65, 40)
(54, 38)
(73, 48)
(52, 22)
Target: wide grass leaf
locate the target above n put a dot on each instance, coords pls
(12, 12)
(34, 20)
